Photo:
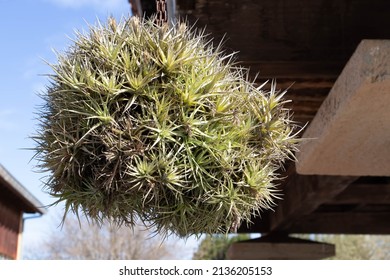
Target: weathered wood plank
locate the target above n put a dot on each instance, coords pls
(284, 248)
(364, 194)
(343, 223)
(299, 71)
(290, 30)
(303, 194)
(351, 129)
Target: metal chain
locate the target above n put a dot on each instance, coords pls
(162, 16)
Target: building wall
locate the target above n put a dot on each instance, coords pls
(10, 218)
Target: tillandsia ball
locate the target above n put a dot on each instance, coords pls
(155, 123)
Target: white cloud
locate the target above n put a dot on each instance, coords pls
(99, 5)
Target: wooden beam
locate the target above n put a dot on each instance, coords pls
(364, 194)
(283, 248)
(295, 70)
(351, 129)
(343, 223)
(258, 224)
(303, 194)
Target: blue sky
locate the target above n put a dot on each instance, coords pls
(29, 31)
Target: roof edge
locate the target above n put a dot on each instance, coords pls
(15, 186)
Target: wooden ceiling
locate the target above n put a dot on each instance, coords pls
(304, 45)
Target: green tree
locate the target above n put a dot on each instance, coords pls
(358, 247)
(214, 247)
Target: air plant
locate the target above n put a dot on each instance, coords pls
(157, 124)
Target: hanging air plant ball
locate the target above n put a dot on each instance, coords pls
(152, 123)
